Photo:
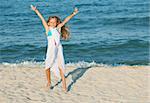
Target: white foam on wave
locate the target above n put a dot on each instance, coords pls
(24, 64)
(33, 64)
(84, 64)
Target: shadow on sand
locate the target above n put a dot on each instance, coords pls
(75, 74)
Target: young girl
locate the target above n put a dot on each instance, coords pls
(54, 57)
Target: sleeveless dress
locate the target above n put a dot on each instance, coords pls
(54, 55)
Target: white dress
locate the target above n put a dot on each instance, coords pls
(54, 56)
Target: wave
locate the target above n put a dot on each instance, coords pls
(110, 44)
(80, 64)
(41, 64)
(113, 3)
(112, 20)
(136, 43)
(18, 47)
(98, 51)
(94, 4)
(143, 21)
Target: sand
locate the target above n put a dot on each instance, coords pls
(102, 84)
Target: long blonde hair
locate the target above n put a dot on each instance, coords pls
(65, 34)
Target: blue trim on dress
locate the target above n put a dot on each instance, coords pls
(49, 33)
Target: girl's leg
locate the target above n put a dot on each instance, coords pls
(48, 75)
(63, 80)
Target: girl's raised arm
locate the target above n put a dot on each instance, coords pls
(40, 16)
(68, 18)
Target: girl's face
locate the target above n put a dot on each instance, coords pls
(52, 22)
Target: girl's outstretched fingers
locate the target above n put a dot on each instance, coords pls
(76, 10)
(33, 7)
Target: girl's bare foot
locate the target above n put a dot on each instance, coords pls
(48, 85)
(65, 90)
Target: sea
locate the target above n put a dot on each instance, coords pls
(104, 32)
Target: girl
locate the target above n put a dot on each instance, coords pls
(54, 57)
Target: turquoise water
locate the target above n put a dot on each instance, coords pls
(104, 31)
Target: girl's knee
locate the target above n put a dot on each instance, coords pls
(61, 71)
(47, 69)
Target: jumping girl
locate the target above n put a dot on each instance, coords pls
(54, 57)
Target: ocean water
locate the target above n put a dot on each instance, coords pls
(104, 31)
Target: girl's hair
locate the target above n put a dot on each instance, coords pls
(65, 34)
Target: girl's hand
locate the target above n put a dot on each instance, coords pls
(33, 7)
(75, 11)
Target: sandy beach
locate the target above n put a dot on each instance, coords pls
(103, 84)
